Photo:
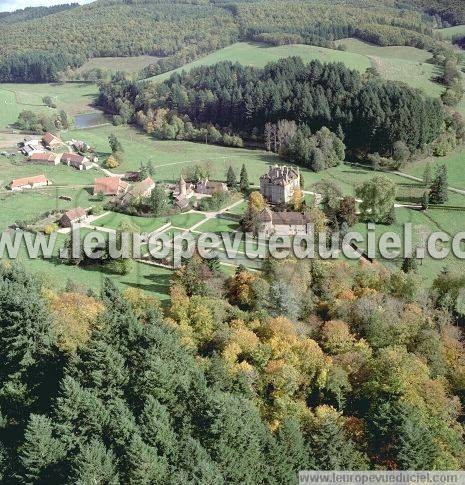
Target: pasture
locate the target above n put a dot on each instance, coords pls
(450, 32)
(124, 64)
(258, 55)
(73, 98)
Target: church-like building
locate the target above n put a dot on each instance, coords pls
(277, 186)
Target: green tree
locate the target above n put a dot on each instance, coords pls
(330, 447)
(427, 175)
(231, 179)
(115, 144)
(144, 466)
(40, 451)
(378, 197)
(159, 201)
(95, 464)
(244, 180)
(439, 192)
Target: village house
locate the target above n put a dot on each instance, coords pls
(50, 141)
(277, 186)
(79, 146)
(72, 216)
(207, 187)
(110, 186)
(182, 193)
(282, 223)
(140, 190)
(45, 158)
(31, 146)
(33, 182)
(77, 161)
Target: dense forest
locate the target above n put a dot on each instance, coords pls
(30, 13)
(369, 114)
(179, 31)
(241, 379)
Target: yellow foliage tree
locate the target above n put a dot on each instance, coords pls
(111, 162)
(75, 315)
(297, 199)
(256, 201)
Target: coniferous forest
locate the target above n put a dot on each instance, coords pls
(369, 114)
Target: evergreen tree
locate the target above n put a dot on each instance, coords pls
(330, 447)
(289, 453)
(427, 175)
(40, 452)
(196, 465)
(28, 374)
(409, 265)
(439, 193)
(244, 180)
(115, 144)
(95, 464)
(231, 179)
(144, 466)
(155, 428)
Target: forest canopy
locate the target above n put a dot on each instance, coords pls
(371, 114)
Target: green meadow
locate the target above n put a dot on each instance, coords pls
(73, 98)
(255, 54)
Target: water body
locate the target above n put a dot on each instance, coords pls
(90, 120)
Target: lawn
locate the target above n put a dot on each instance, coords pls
(29, 205)
(58, 174)
(113, 220)
(431, 221)
(218, 224)
(73, 98)
(399, 63)
(238, 209)
(187, 220)
(454, 161)
(152, 279)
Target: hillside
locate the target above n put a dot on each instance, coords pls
(180, 31)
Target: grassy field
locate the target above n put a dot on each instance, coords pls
(73, 98)
(218, 225)
(254, 54)
(421, 223)
(60, 175)
(450, 32)
(455, 163)
(399, 63)
(125, 64)
(114, 220)
(30, 205)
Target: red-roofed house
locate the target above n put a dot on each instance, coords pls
(50, 141)
(29, 183)
(110, 186)
(72, 217)
(45, 158)
(77, 161)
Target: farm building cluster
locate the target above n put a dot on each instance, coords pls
(41, 150)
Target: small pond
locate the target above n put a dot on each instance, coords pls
(89, 120)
